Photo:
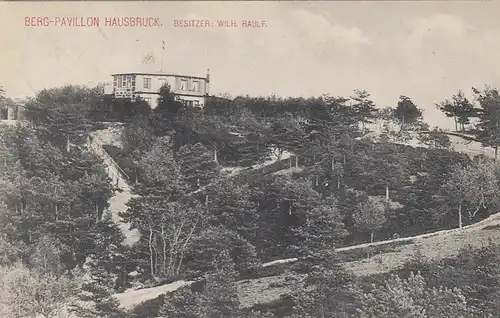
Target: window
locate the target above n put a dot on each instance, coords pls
(184, 85)
(115, 82)
(147, 82)
(196, 86)
(124, 81)
(196, 103)
(119, 81)
(129, 81)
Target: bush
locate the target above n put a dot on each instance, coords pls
(149, 308)
(210, 243)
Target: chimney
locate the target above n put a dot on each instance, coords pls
(207, 88)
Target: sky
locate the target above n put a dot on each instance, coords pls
(426, 50)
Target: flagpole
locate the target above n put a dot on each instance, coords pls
(162, 50)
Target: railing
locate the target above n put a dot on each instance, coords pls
(96, 145)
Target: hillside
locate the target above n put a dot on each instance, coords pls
(437, 245)
(434, 246)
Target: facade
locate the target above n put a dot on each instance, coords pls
(11, 114)
(191, 90)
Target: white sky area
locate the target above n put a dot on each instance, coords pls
(424, 50)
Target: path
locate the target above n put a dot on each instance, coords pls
(437, 244)
(118, 202)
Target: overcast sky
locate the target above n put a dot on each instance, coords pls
(424, 50)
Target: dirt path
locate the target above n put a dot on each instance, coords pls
(118, 202)
(438, 245)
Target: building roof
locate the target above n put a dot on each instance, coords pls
(160, 74)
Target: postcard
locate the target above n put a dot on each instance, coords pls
(249, 159)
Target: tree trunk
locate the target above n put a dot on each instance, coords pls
(387, 194)
(371, 237)
(496, 153)
(151, 255)
(332, 164)
(56, 213)
(215, 155)
(456, 126)
(338, 181)
(296, 161)
(290, 209)
(67, 144)
(279, 154)
(164, 248)
(290, 162)
(460, 216)
(97, 211)
(344, 159)
(206, 200)
(317, 180)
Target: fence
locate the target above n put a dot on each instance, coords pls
(114, 171)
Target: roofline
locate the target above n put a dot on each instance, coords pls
(160, 74)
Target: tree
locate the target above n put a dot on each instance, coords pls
(214, 132)
(218, 297)
(327, 292)
(42, 289)
(322, 229)
(407, 113)
(370, 216)
(229, 204)
(62, 114)
(364, 108)
(210, 243)
(286, 133)
(412, 298)
(459, 108)
(104, 264)
(283, 206)
(159, 172)
(198, 167)
(435, 139)
(488, 127)
(138, 137)
(168, 106)
(387, 167)
(473, 187)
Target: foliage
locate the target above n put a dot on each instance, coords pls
(474, 187)
(406, 112)
(412, 297)
(210, 243)
(328, 292)
(370, 215)
(487, 129)
(40, 290)
(218, 298)
(460, 108)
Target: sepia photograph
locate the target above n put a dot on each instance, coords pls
(249, 159)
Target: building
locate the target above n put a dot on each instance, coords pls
(191, 90)
(12, 113)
